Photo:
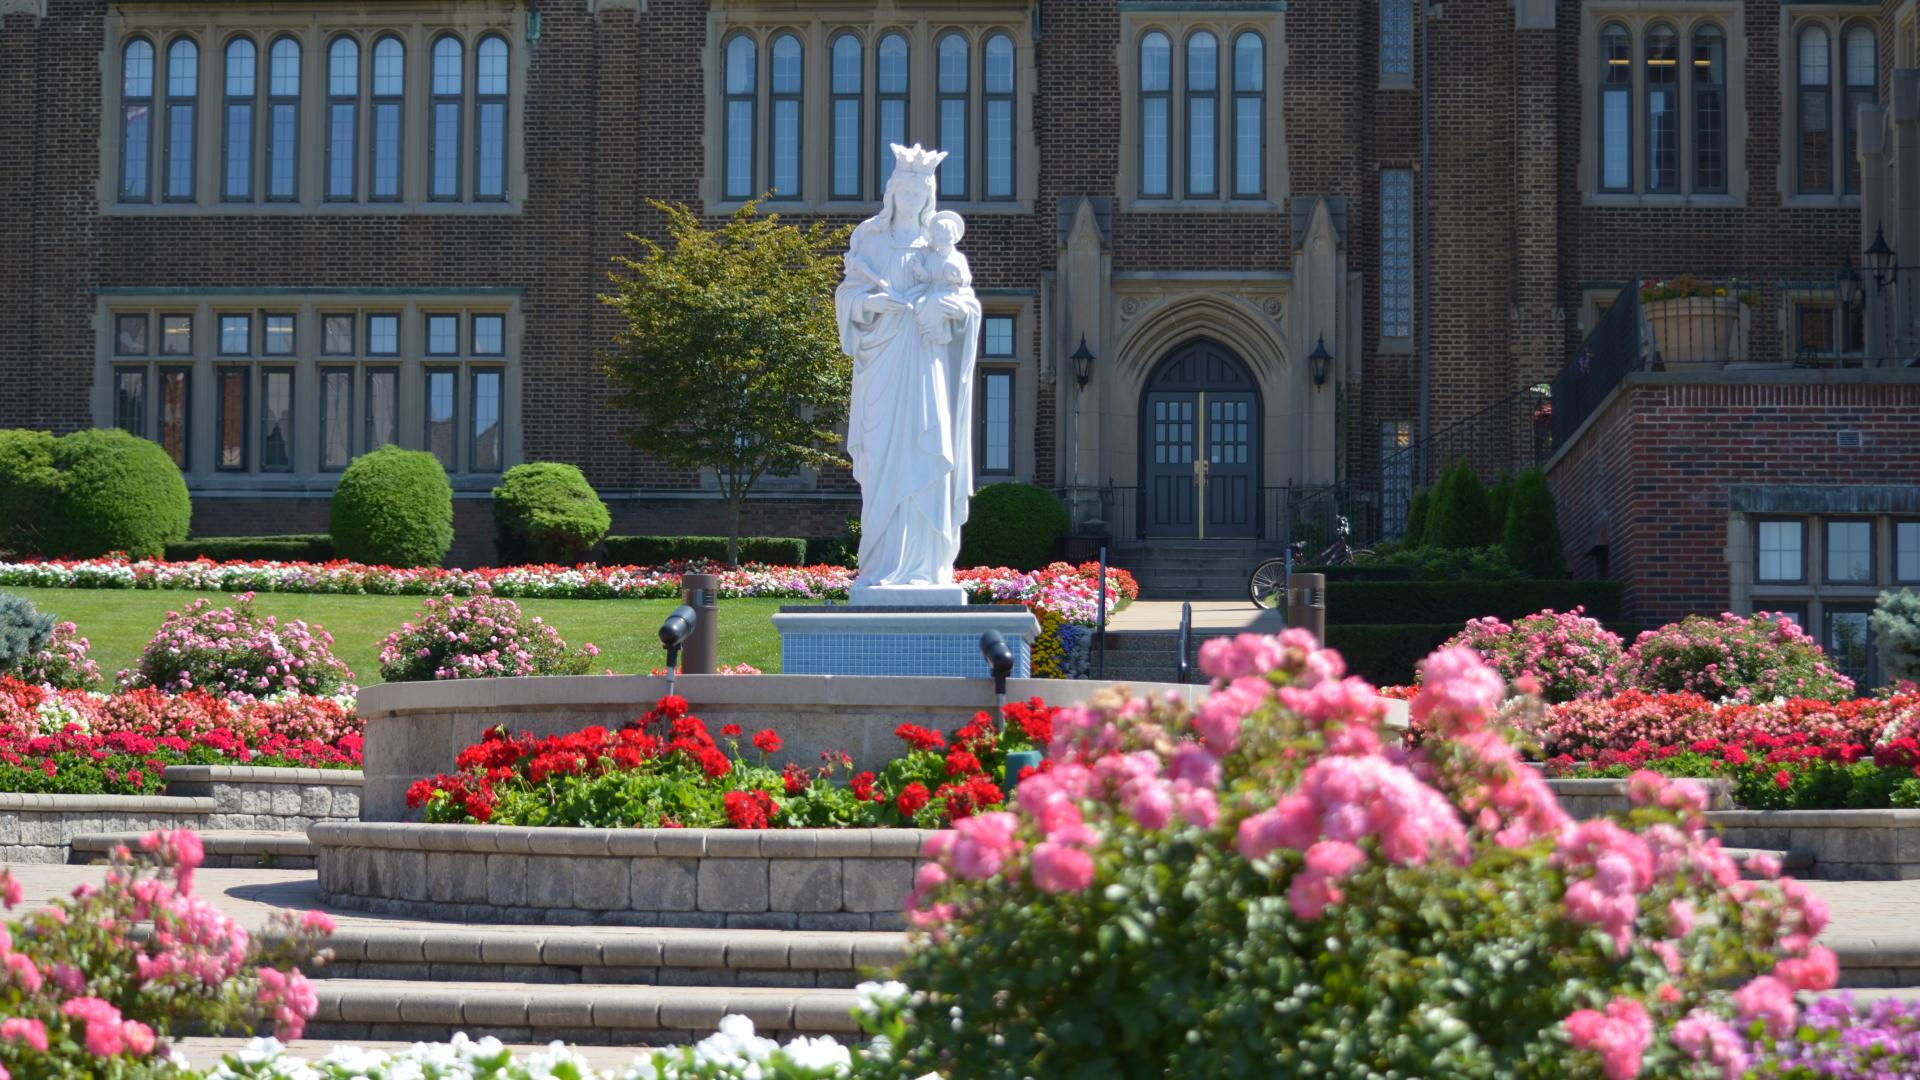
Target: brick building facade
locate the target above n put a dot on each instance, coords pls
(271, 236)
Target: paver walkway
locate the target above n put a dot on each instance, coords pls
(1209, 616)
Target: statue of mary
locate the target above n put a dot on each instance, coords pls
(911, 324)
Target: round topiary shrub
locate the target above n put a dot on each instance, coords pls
(113, 492)
(1755, 657)
(236, 653)
(478, 637)
(393, 507)
(27, 487)
(1012, 525)
(546, 512)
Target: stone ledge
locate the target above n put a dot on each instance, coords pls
(35, 802)
(251, 774)
(1847, 845)
(623, 843)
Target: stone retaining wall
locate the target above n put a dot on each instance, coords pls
(806, 879)
(270, 800)
(1847, 845)
(37, 828)
(1592, 798)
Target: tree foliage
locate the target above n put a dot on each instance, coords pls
(1896, 626)
(1458, 515)
(730, 359)
(1532, 528)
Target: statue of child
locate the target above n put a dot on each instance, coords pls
(946, 273)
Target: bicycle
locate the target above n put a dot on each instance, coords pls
(1267, 585)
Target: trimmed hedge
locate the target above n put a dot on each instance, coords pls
(393, 507)
(1352, 603)
(27, 485)
(1013, 525)
(1384, 654)
(291, 547)
(115, 492)
(651, 550)
(546, 512)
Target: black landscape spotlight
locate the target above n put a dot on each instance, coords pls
(1000, 658)
(674, 632)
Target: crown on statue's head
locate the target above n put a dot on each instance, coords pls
(916, 159)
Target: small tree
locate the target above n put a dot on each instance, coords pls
(1459, 517)
(1896, 626)
(731, 358)
(1417, 510)
(1532, 532)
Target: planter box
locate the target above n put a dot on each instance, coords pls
(774, 879)
(1694, 333)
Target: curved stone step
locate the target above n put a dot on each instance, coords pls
(626, 955)
(1792, 861)
(243, 849)
(593, 1014)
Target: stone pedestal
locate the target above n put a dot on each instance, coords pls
(904, 596)
(892, 640)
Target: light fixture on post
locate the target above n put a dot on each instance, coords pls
(1880, 259)
(1082, 363)
(1321, 360)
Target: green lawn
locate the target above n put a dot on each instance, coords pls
(120, 621)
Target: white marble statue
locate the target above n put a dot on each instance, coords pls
(911, 323)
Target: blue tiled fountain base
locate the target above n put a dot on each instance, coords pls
(953, 655)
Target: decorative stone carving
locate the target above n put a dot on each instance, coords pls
(910, 320)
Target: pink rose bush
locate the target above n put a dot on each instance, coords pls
(1741, 658)
(236, 653)
(1566, 655)
(95, 985)
(65, 663)
(480, 637)
(1272, 882)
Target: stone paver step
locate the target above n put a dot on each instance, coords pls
(793, 959)
(1792, 861)
(237, 848)
(593, 1014)
(203, 1051)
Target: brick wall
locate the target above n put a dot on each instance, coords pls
(1649, 477)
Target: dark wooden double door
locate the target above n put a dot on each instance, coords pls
(1200, 446)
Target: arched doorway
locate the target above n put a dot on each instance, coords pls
(1200, 420)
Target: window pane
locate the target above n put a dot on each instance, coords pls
(489, 335)
(1203, 63)
(130, 400)
(336, 335)
(183, 69)
(343, 68)
(1663, 131)
(173, 414)
(996, 421)
(447, 64)
(1396, 253)
(999, 149)
(389, 68)
(1815, 106)
(340, 164)
(1156, 63)
(1396, 37)
(179, 151)
(786, 64)
(999, 335)
(446, 150)
(490, 67)
(740, 63)
(953, 139)
(1906, 550)
(846, 64)
(739, 149)
(893, 64)
(233, 419)
(786, 147)
(1813, 329)
(176, 335)
(953, 64)
(486, 421)
(1249, 169)
(284, 62)
(276, 421)
(236, 334)
(1847, 642)
(846, 148)
(892, 83)
(1616, 103)
(490, 181)
(130, 335)
(136, 70)
(336, 418)
(136, 141)
(1850, 551)
(1782, 545)
(1200, 149)
(443, 334)
(441, 388)
(241, 68)
(1249, 63)
(1709, 110)
(238, 150)
(279, 335)
(383, 334)
(1153, 149)
(382, 416)
(999, 65)
(283, 135)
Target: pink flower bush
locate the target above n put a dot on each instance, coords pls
(66, 663)
(234, 653)
(482, 637)
(1751, 658)
(1271, 875)
(95, 984)
(1566, 655)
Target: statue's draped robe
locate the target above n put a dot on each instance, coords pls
(910, 428)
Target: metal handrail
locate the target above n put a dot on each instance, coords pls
(1183, 671)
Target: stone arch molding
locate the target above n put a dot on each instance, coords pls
(1249, 327)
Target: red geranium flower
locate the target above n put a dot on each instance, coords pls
(730, 731)
(766, 741)
(750, 809)
(913, 798)
(862, 785)
(919, 738)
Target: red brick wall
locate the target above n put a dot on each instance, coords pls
(1651, 474)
